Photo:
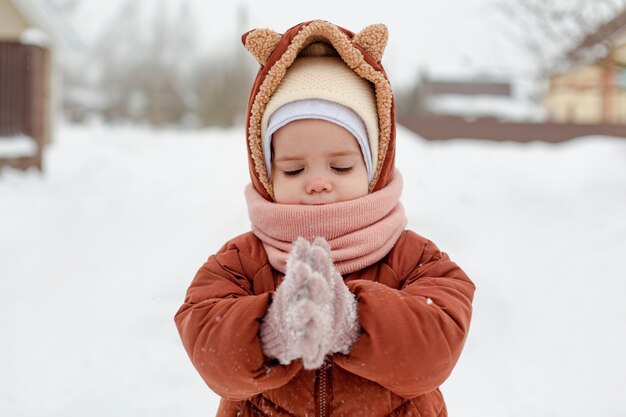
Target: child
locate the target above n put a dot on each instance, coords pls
(328, 307)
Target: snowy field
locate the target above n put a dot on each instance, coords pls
(96, 255)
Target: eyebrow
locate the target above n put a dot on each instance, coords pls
(332, 155)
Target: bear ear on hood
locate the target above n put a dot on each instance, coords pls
(373, 39)
(261, 43)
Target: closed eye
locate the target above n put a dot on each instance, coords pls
(293, 173)
(342, 170)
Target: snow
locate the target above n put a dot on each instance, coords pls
(504, 108)
(97, 252)
(50, 25)
(36, 37)
(17, 146)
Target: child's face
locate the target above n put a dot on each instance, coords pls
(316, 162)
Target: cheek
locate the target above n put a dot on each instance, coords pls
(361, 179)
(283, 190)
(357, 186)
(277, 188)
(361, 188)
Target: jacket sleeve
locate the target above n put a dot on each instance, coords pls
(219, 325)
(412, 336)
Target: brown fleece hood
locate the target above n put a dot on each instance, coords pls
(362, 53)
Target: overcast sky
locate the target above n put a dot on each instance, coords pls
(442, 37)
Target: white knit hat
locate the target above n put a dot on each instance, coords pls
(327, 78)
(323, 110)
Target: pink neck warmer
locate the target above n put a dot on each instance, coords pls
(360, 232)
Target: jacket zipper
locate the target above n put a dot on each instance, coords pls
(323, 387)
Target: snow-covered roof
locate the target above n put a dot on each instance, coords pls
(611, 30)
(598, 43)
(502, 108)
(46, 16)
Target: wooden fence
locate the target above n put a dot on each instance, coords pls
(23, 99)
(449, 127)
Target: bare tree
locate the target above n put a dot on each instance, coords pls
(157, 75)
(223, 83)
(558, 33)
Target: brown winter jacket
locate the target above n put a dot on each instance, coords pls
(414, 306)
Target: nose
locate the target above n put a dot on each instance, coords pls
(318, 184)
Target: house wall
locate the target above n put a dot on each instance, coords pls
(620, 37)
(12, 24)
(578, 96)
(620, 54)
(619, 106)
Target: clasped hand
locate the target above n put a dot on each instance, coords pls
(313, 313)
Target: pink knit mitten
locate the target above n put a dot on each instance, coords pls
(299, 320)
(346, 329)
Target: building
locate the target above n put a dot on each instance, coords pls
(32, 36)
(469, 96)
(593, 89)
(477, 98)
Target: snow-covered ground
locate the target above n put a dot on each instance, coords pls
(96, 254)
(17, 146)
